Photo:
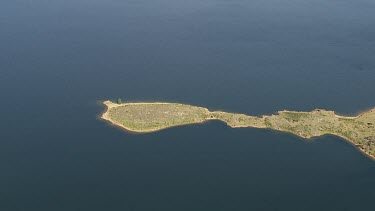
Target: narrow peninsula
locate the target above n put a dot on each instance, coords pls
(151, 117)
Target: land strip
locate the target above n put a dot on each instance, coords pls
(155, 116)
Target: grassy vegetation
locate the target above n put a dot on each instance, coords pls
(149, 117)
(267, 123)
(294, 116)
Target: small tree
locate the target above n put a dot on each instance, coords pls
(119, 101)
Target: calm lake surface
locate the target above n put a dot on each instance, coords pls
(59, 59)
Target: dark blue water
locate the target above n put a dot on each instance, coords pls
(58, 59)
